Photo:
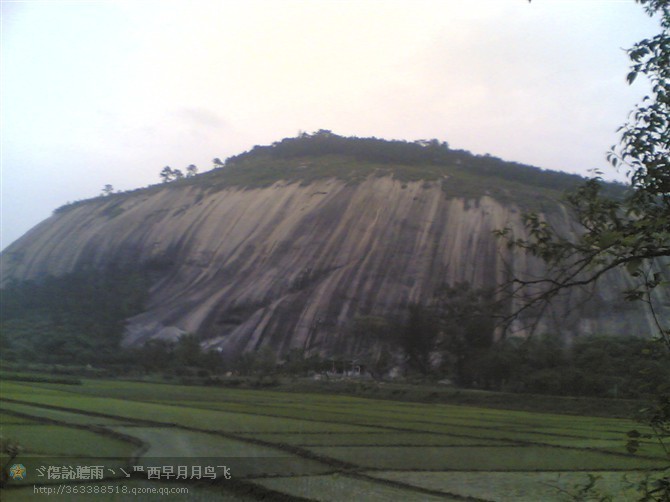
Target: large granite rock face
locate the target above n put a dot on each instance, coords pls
(292, 265)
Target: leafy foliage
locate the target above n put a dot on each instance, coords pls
(75, 318)
(168, 174)
(599, 366)
(419, 337)
(645, 140)
(466, 322)
(184, 358)
(191, 170)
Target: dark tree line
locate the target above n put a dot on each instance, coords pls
(455, 341)
(78, 318)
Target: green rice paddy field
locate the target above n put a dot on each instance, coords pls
(300, 446)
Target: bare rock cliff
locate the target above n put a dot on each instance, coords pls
(292, 265)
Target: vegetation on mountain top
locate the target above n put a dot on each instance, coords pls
(422, 155)
(325, 155)
(460, 173)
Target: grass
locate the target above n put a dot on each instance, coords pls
(50, 414)
(167, 446)
(11, 419)
(31, 377)
(518, 486)
(482, 458)
(337, 487)
(200, 418)
(61, 440)
(324, 447)
(376, 439)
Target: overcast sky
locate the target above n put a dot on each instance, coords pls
(97, 92)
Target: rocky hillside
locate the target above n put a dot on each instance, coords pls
(288, 245)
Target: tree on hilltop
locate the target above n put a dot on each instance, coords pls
(191, 171)
(166, 174)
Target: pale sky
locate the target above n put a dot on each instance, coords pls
(97, 92)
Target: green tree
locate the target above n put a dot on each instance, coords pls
(156, 355)
(191, 171)
(166, 174)
(376, 337)
(466, 322)
(419, 337)
(295, 363)
(187, 351)
(265, 363)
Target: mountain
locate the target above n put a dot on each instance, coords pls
(291, 245)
